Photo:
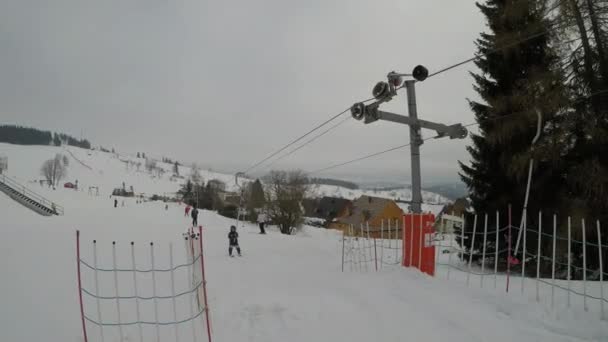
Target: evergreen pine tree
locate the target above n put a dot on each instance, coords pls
(56, 140)
(257, 199)
(515, 83)
(586, 128)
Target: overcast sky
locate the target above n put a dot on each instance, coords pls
(225, 83)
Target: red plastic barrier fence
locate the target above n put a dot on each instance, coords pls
(418, 247)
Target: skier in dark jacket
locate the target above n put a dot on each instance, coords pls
(233, 241)
(194, 214)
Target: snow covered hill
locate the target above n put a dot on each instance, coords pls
(284, 288)
(94, 168)
(397, 194)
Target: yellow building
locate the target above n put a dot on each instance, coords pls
(374, 212)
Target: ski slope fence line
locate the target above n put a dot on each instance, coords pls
(551, 266)
(138, 303)
(368, 248)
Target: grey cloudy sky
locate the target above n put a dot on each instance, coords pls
(224, 83)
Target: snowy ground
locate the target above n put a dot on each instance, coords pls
(553, 295)
(284, 288)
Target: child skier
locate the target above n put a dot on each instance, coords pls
(194, 214)
(233, 241)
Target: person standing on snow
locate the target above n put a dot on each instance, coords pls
(233, 241)
(262, 221)
(187, 211)
(115, 203)
(194, 215)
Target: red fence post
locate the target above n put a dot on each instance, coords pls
(84, 326)
(200, 241)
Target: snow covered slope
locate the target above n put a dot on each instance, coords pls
(108, 171)
(401, 194)
(95, 169)
(284, 288)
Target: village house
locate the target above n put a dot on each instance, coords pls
(372, 211)
(331, 208)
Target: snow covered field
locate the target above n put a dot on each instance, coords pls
(397, 194)
(107, 171)
(284, 288)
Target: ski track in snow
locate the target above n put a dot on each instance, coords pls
(284, 288)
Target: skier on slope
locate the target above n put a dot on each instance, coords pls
(233, 241)
(187, 210)
(194, 214)
(262, 221)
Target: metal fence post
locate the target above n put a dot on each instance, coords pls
(375, 255)
(462, 248)
(538, 255)
(472, 248)
(120, 331)
(509, 250)
(584, 266)
(381, 243)
(97, 291)
(524, 252)
(343, 238)
(569, 257)
(599, 250)
(173, 301)
(496, 250)
(483, 253)
(135, 289)
(369, 243)
(553, 263)
(82, 319)
(154, 292)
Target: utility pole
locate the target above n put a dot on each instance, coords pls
(415, 142)
(384, 92)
